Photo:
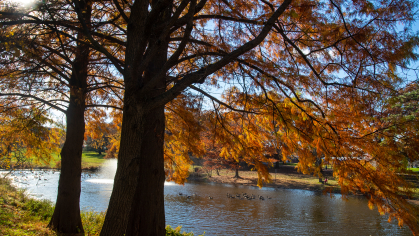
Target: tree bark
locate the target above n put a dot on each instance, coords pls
(146, 215)
(237, 173)
(66, 218)
(136, 206)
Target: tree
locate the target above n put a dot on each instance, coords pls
(47, 66)
(24, 136)
(182, 136)
(213, 147)
(99, 133)
(172, 45)
(401, 114)
(327, 63)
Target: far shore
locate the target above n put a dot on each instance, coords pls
(283, 177)
(28, 168)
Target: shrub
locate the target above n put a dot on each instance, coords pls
(92, 222)
(176, 231)
(40, 208)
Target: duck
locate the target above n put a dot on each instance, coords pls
(209, 197)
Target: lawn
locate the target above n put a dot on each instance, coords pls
(414, 169)
(91, 159)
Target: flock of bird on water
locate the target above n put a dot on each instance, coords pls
(39, 176)
(22, 176)
(243, 196)
(26, 175)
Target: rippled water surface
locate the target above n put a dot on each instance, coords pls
(288, 212)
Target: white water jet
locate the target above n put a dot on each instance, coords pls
(100, 181)
(108, 170)
(106, 173)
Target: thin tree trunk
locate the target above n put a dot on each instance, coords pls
(237, 173)
(66, 218)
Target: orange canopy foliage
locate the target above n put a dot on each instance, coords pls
(309, 78)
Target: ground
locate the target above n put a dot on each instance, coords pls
(285, 176)
(90, 161)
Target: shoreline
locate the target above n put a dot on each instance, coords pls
(253, 183)
(40, 168)
(284, 177)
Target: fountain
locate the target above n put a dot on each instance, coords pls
(106, 173)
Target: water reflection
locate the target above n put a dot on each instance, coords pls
(296, 212)
(288, 212)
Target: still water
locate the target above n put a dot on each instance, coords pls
(287, 212)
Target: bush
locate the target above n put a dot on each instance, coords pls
(92, 222)
(176, 232)
(58, 165)
(40, 208)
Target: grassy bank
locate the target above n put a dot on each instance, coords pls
(90, 160)
(20, 215)
(23, 216)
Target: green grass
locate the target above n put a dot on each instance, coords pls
(176, 231)
(288, 164)
(413, 169)
(92, 159)
(23, 216)
(20, 215)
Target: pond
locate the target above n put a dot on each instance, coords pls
(282, 212)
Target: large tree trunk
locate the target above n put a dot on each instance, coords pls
(66, 218)
(147, 210)
(136, 206)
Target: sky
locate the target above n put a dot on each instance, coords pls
(24, 3)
